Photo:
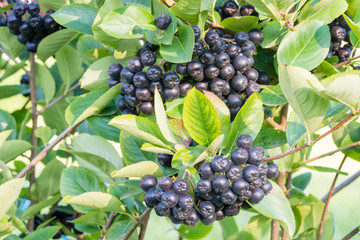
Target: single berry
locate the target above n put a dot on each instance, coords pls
(256, 36)
(122, 105)
(180, 186)
(115, 70)
(31, 46)
(163, 21)
(228, 197)
(19, 9)
(217, 85)
(128, 89)
(248, 49)
(204, 185)
(152, 47)
(337, 33)
(222, 59)
(255, 156)
(220, 164)
(266, 187)
(146, 108)
(184, 87)
(250, 173)
(251, 74)
(204, 196)
(158, 85)
(132, 100)
(273, 170)
(234, 173)
(263, 78)
(245, 195)
(234, 112)
(171, 93)
(206, 171)
(263, 168)
(219, 47)
(186, 201)
(216, 200)
(244, 141)
(211, 71)
(148, 58)
(111, 82)
(255, 184)
(149, 198)
(127, 75)
(34, 8)
(180, 213)
(13, 21)
(25, 79)
(251, 88)
(227, 89)
(248, 10)
(171, 79)
(195, 68)
(230, 7)
(257, 196)
(140, 80)
(181, 69)
(206, 209)
(25, 29)
(165, 183)
(158, 193)
(147, 182)
(240, 38)
(234, 100)
(202, 86)
(135, 65)
(220, 183)
(233, 51)
(193, 218)
(211, 38)
(164, 159)
(207, 221)
(169, 199)
(36, 22)
(198, 48)
(227, 72)
(50, 24)
(197, 31)
(161, 210)
(207, 57)
(231, 210)
(240, 186)
(239, 83)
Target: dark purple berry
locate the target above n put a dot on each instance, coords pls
(195, 68)
(230, 7)
(148, 58)
(227, 72)
(211, 38)
(219, 47)
(171, 79)
(257, 196)
(220, 164)
(164, 159)
(206, 209)
(228, 197)
(251, 88)
(186, 201)
(255, 156)
(240, 38)
(157, 85)
(115, 70)
(181, 69)
(240, 186)
(169, 199)
(127, 75)
(13, 21)
(127, 88)
(180, 186)
(198, 48)
(337, 33)
(193, 218)
(263, 78)
(197, 31)
(234, 173)
(211, 71)
(171, 93)
(158, 193)
(273, 170)
(161, 210)
(231, 210)
(233, 51)
(234, 100)
(248, 10)
(250, 173)
(180, 213)
(207, 57)
(204, 186)
(111, 82)
(251, 74)
(244, 141)
(163, 21)
(135, 65)
(140, 80)
(239, 83)
(263, 168)
(19, 9)
(220, 183)
(206, 171)
(152, 47)
(185, 87)
(266, 187)
(147, 182)
(256, 36)
(248, 49)
(146, 108)
(217, 85)
(255, 184)
(149, 198)
(222, 59)
(31, 46)
(202, 86)
(132, 100)
(165, 183)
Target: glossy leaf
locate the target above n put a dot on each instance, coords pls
(10, 43)
(118, 230)
(4, 135)
(238, 24)
(139, 170)
(8, 122)
(270, 138)
(272, 7)
(45, 80)
(273, 96)
(11, 189)
(39, 206)
(96, 218)
(13, 148)
(348, 135)
(43, 233)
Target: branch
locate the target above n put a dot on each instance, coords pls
(275, 226)
(33, 139)
(321, 227)
(313, 141)
(283, 119)
(352, 233)
(343, 185)
(144, 226)
(59, 98)
(346, 62)
(137, 223)
(46, 150)
(107, 225)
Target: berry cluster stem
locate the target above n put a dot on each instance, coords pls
(283, 119)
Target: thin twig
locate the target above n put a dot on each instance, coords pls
(346, 62)
(313, 141)
(352, 233)
(321, 227)
(33, 139)
(59, 98)
(137, 223)
(107, 225)
(283, 117)
(143, 227)
(343, 185)
(273, 123)
(46, 150)
(275, 225)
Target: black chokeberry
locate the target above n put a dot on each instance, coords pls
(198, 48)
(169, 198)
(207, 57)
(240, 186)
(227, 89)
(263, 168)
(149, 198)
(222, 59)
(143, 93)
(240, 38)
(164, 159)
(163, 21)
(256, 36)
(233, 51)
(135, 64)
(186, 201)
(193, 218)
(204, 186)
(174, 220)
(231, 210)
(217, 85)
(13, 21)
(234, 100)
(248, 10)
(132, 100)
(263, 78)
(180, 186)
(157, 85)
(251, 173)
(127, 75)
(140, 80)
(148, 58)
(206, 171)
(165, 183)
(245, 195)
(219, 46)
(19, 9)
(122, 105)
(22, 39)
(147, 108)
(171, 93)
(158, 193)
(184, 87)
(273, 170)
(161, 210)
(211, 38)
(50, 24)
(255, 156)
(206, 209)
(152, 47)
(34, 8)
(171, 79)
(239, 83)
(267, 187)
(154, 73)
(248, 49)
(234, 112)
(234, 173)
(129, 111)
(228, 197)
(181, 69)
(31, 46)
(337, 33)
(257, 196)
(25, 29)
(207, 221)
(147, 182)
(220, 164)
(111, 82)
(180, 213)
(220, 183)
(36, 22)
(255, 184)
(127, 88)
(197, 32)
(251, 88)
(244, 141)
(230, 7)
(211, 71)
(241, 63)
(25, 79)
(251, 74)
(227, 72)
(216, 200)
(115, 70)
(204, 196)
(195, 68)
(202, 86)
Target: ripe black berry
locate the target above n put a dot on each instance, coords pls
(252, 88)
(157, 85)
(263, 168)
(231, 210)
(251, 74)
(207, 57)
(219, 46)
(193, 218)
(111, 82)
(227, 72)
(132, 100)
(220, 183)
(220, 164)
(197, 31)
(25, 29)
(211, 38)
(240, 38)
(266, 187)
(36, 22)
(152, 47)
(34, 8)
(140, 80)
(239, 83)
(206, 170)
(228, 197)
(50, 23)
(171, 93)
(171, 79)
(248, 10)
(127, 75)
(147, 108)
(240, 186)
(165, 183)
(250, 173)
(180, 186)
(217, 85)
(219, 215)
(195, 68)
(256, 36)
(19, 9)
(147, 182)
(206, 209)
(204, 185)
(216, 200)
(158, 193)
(255, 184)
(149, 198)
(127, 88)
(211, 71)
(148, 58)
(169, 199)
(154, 73)
(204, 196)
(222, 59)
(174, 220)
(248, 49)
(180, 213)
(233, 51)
(163, 21)
(135, 65)
(263, 78)
(207, 220)
(255, 156)
(161, 210)
(273, 170)
(201, 86)
(181, 69)
(244, 141)
(234, 173)
(13, 21)
(186, 201)
(230, 7)
(245, 195)
(257, 196)
(164, 159)
(31, 46)
(184, 87)
(198, 48)
(234, 100)
(115, 70)
(337, 33)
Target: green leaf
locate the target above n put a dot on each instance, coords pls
(348, 135)
(8, 122)
(309, 107)
(101, 126)
(13, 148)
(140, 127)
(54, 117)
(162, 119)
(181, 47)
(10, 43)
(325, 10)
(222, 111)
(39, 206)
(43, 234)
(139, 170)
(44, 133)
(45, 80)
(193, 11)
(305, 47)
(198, 232)
(281, 213)
(96, 200)
(11, 189)
(53, 4)
(343, 87)
(48, 182)
(10, 90)
(295, 129)
(89, 104)
(118, 230)
(174, 108)
(355, 27)
(229, 227)
(273, 96)
(54, 42)
(96, 218)
(78, 17)
(128, 22)
(326, 68)
(148, 147)
(271, 8)
(70, 66)
(16, 222)
(200, 118)
(248, 121)
(273, 33)
(4, 135)
(238, 24)
(270, 138)
(87, 43)
(326, 169)
(301, 181)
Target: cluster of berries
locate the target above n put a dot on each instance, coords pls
(340, 39)
(225, 186)
(30, 32)
(230, 8)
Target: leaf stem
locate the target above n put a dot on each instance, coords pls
(321, 227)
(137, 223)
(346, 62)
(283, 119)
(107, 225)
(313, 141)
